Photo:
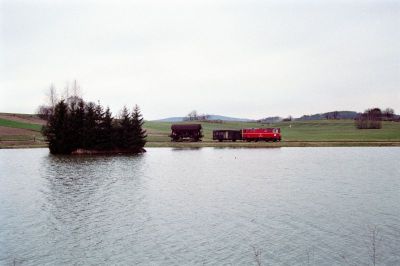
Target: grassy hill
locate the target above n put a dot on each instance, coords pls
(18, 131)
(18, 124)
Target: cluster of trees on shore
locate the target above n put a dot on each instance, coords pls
(195, 116)
(368, 119)
(75, 125)
(372, 118)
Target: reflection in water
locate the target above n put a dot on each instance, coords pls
(186, 148)
(90, 197)
(202, 206)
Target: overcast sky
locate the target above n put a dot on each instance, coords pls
(237, 58)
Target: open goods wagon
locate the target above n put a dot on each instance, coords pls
(180, 132)
(222, 135)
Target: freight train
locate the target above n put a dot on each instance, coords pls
(192, 132)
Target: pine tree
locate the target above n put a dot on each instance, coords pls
(89, 128)
(139, 134)
(80, 123)
(98, 130)
(72, 128)
(125, 131)
(56, 130)
(108, 130)
(104, 129)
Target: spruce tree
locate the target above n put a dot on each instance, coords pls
(108, 130)
(126, 137)
(56, 130)
(98, 130)
(72, 126)
(80, 123)
(89, 129)
(139, 134)
(104, 129)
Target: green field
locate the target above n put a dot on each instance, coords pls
(25, 135)
(17, 124)
(294, 131)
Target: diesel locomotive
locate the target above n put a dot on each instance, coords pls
(248, 134)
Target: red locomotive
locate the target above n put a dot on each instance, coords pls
(266, 134)
(248, 134)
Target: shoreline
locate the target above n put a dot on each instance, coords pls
(212, 144)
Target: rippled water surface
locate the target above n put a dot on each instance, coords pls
(293, 206)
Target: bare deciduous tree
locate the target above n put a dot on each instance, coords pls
(370, 119)
(388, 114)
(335, 115)
(192, 116)
(288, 119)
(52, 96)
(72, 94)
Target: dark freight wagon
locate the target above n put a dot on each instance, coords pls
(222, 135)
(186, 132)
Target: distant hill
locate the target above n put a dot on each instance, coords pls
(275, 119)
(170, 119)
(330, 115)
(227, 118)
(272, 119)
(209, 117)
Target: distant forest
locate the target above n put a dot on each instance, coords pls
(387, 114)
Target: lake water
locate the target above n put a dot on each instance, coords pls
(292, 206)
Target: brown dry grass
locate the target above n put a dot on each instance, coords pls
(11, 131)
(26, 118)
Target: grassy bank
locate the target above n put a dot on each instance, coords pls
(294, 133)
(318, 133)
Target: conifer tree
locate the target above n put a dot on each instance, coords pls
(125, 137)
(72, 126)
(56, 130)
(108, 130)
(138, 132)
(89, 129)
(104, 129)
(98, 130)
(79, 122)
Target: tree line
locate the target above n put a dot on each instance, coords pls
(74, 125)
(372, 118)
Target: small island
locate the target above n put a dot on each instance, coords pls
(77, 127)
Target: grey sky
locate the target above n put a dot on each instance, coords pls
(237, 58)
